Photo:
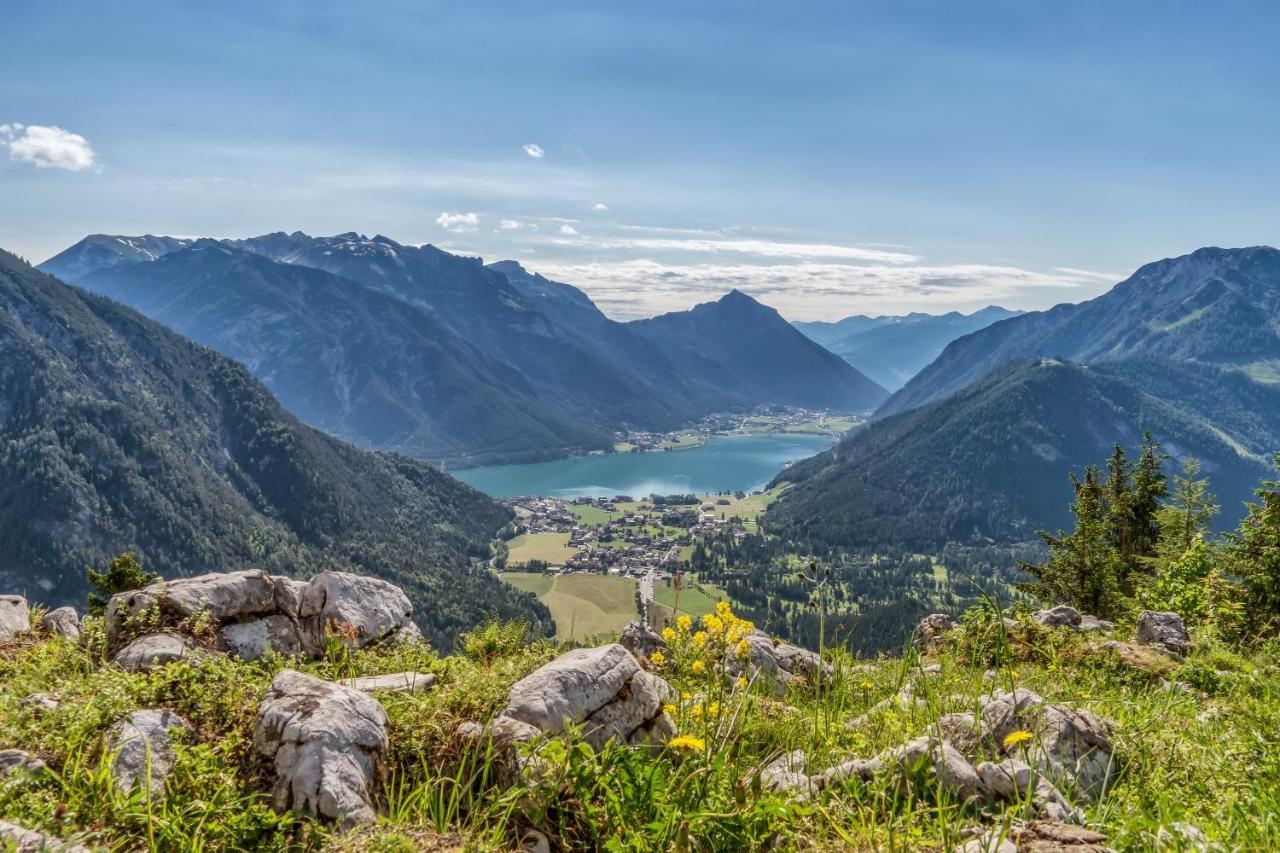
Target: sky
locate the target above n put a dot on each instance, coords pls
(828, 158)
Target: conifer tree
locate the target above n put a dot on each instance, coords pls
(1254, 552)
(1150, 487)
(1083, 568)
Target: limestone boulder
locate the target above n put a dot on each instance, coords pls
(152, 652)
(251, 640)
(14, 761)
(23, 840)
(1062, 616)
(1013, 780)
(604, 689)
(371, 608)
(15, 617)
(396, 682)
(776, 664)
(1066, 743)
(1093, 623)
(328, 743)
(141, 749)
(1165, 630)
(930, 629)
(62, 622)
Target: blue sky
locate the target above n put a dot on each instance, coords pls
(829, 158)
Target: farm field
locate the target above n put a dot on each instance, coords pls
(592, 514)
(693, 601)
(551, 548)
(582, 605)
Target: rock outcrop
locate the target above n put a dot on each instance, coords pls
(1062, 616)
(329, 746)
(1164, 630)
(15, 617)
(151, 652)
(395, 682)
(141, 746)
(777, 664)
(604, 689)
(930, 630)
(254, 612)
(20, 761)
(1066, 743)
(23, 840)
(641, 640)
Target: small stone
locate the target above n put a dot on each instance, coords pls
(1182, 836)
(143, 748)
(20, 761)
(1093, 623)
(39, 703)
(930, 630)
(23, 840)
(786, 773)
(152, 652)
(534, 841)
(1062, 616)
(15, 617)
(396, 682)
(63, 622)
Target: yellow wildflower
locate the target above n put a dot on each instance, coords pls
(688, 743)
(669, 710)
(867, 685)
(686, 696)
(697, 711)
(700, 639)
(1014, 738)
(744, 650)
(714, 624)
(723, 611)
(699, 667)
(684, 623)
(741, 683)
(657, 659)
(669, 634)
(713, 710)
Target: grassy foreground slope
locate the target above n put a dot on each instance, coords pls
(1205, 756)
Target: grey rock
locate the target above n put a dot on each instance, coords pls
(1016, 781)
(20, 761)
(39, 703)
(1093, 623)
(142, 746)
(223, 596)
(251, 640)
(152, 652)
(951, 770)
(63, 622)
(787, 773)
(641, 640)
(15, 617)
(988, 842)
(288, 596)
(1182, 836)
(930, 630)
(534, 841)
(1062, 616)
(966, 732)
(776, 664)
(126, 606)
(375, 608)
(23, 840)
(1071, 744)
(1164, 629)
(396, 682)
(329, 745)
(602, 688)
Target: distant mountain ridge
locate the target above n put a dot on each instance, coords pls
(579, 375)
(118, 433)
(892, 349)
(740, 343)
(1213, 306)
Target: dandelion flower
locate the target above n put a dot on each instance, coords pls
(699, 667)
(688, 743)
(867, 685)
(1015, 738)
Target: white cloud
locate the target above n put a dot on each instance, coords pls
(600, 206)
(458, 223)
(535, 151)
(568, 230)
(48, 147)
(516, 225)
(761, 248)
(806, 290)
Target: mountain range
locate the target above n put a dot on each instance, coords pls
(976, 447)
(892, 349)
(117, 433)
(467, 364)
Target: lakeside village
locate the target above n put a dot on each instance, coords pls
(623, 536)
(762, 420)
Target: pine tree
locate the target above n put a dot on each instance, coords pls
(124, 573)
(1254, 553)
(1121, 531)
(1150, 487)
(1083, 569)
(1188, 513)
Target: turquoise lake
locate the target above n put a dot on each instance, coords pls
(725, 463)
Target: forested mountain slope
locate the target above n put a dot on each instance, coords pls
(116, 433)
(987, 463)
